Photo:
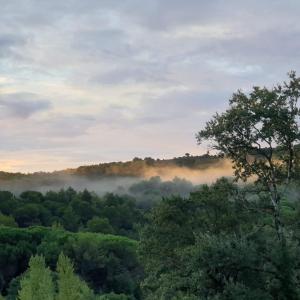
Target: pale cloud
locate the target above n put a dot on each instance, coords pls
(234, 68)
(22, 105)
(201, 32)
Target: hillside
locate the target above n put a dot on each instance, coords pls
(113, 176)
(133, 168)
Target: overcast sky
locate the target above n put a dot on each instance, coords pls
(94, 81)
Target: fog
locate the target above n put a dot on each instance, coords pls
(208, 175)
(44, 182)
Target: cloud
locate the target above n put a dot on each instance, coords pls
(51, 131)
(88, 80)
(22, 105)
(9, 43)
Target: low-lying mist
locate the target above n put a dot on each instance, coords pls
(222, 168)
(168, 179)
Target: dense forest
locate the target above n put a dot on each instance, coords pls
(171, 239)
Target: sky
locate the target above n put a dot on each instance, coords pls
(84, 82)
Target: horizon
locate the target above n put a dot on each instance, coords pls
(102, 81)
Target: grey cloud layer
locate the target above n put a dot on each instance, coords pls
(22, 105)
(83, 73)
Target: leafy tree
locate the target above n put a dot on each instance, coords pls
(217, 208)
(13, 289)
(71, 219)
(107, 262)
(122, 213)
(32, 214)
(16, 247)
(258, 133)
(7, 221)
(101, 225)
(37, 284)
(173, 226)
(32, 196)
(86, 196)
(113, 296)
(7, 202)
(254, 263)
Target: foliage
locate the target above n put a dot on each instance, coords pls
(106, 262)
(7, 221)
(101, 225)
(217, 244)
(73, 210)
(113, 296)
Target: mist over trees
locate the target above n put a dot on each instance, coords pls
(117, 177)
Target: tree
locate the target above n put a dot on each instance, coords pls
(113, 296)
(37, 284)
(7, 202)
(7, 221)
(70, 287)
(32, 196)
(32, 214)
(258, 133)
(101, 225)
(169, 240)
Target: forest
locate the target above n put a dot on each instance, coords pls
(237, 238)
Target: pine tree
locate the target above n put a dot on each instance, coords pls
(37, 283)
(70, 287)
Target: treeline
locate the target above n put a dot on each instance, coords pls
(86, 211)
(134, 168)
(138, 166)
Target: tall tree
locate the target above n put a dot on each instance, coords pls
(70, 287)
(37, 283)
(258, 132)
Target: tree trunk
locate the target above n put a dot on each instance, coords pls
(275, 200)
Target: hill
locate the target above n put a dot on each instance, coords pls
(105, 177)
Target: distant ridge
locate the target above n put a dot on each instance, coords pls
(134, 168)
